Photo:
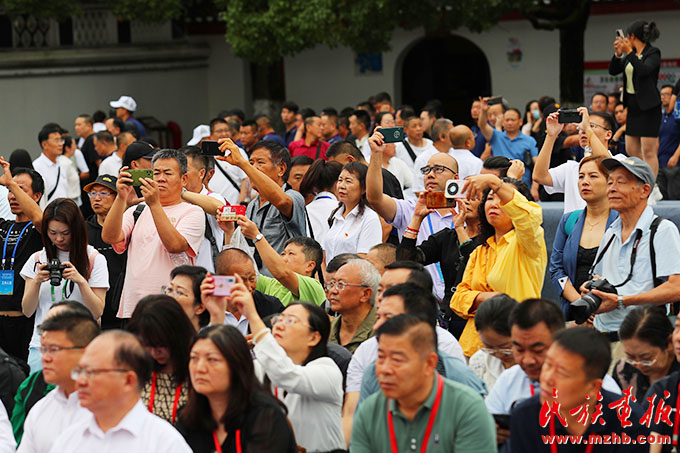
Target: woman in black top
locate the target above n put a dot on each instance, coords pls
(227, 410)
(639, 63)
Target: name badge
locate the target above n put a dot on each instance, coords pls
(6, 283)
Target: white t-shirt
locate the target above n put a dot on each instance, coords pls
(354, 234)
(49, 171)
(67, 290)
(72, 178)
(403, 154)
(7, 442)
(468, 165)
(204, 257)
(220, 184)
(81, 164)
(486, 367)
(318, 212)
(402, 172)
(111, 165)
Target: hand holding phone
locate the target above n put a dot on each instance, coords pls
(392, 134)
(569, 116)
(137, 174)
(211, 148)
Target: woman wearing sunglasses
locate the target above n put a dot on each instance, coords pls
(292, 356)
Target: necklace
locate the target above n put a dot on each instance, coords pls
(593, 225)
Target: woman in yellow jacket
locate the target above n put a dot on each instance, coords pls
(512, 257)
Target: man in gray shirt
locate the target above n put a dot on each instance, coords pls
(278, 211)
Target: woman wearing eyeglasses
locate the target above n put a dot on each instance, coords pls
(185, 288)
(646, 337)
(354, 226)
(512, 257)
(293, 357)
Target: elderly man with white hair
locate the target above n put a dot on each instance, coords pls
(351, 293)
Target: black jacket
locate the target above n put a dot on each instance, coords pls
(645, 76)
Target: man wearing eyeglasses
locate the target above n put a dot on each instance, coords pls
(109, 378)
(439, 169)
(63, 339)
(54, 175)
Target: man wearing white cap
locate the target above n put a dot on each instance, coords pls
(125, 106)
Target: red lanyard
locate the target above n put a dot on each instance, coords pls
(218, 447)
(152, 396)
(677, 418)
(553, 445)
(531, 388)
(430, 422)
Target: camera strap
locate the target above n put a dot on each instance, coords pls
(633, 255)
(63, 291)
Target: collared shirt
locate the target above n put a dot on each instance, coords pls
(318, 212)
(498, 266)
(138, 432)
(514, 148)
(527, 435)
(514, 386)
(367, 353)
(462, 423)
(615, 263)
(111, 165)
(309, 290)
(468, 165)
(241, 324)
(300, 148)
(669, 137)
(356, 233)
(48, 419)
(49, 171)
(361, 142)
(363, 332)
(431, 224)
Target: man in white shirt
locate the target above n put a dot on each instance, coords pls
(64, 337)
(225, 178)
(359, 124)
(414, 144)
(111, 165)
(54, 175)
(109, 379)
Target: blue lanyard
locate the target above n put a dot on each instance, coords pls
(16, 246)
(322, 197)
(437, 264)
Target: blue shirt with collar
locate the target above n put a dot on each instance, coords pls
(669, 137)
(275, 138)
(480, 141)
(615, 263)
(514, 148)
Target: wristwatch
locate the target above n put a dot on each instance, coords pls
(621, 304)
(258, 237)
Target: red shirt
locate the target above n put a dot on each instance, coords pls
(298, 148)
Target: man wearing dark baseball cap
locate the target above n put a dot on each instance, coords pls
(101, 192)
(138, 155)
(640, 274)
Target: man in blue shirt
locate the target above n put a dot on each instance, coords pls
(125, 106)
(510, 143)
(669, 132)
(480, 141)
(266, 132)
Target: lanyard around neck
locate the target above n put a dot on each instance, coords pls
(152, 396)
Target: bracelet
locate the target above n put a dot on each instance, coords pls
(260, 334)
(412, 230)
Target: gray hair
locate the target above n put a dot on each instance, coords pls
(179, 156)
(370, 277)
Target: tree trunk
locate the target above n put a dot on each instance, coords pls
(571, 59)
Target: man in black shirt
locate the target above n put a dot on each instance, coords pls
(20, 238)
(102, 192)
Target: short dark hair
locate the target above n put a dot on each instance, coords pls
(197, 157)
(419, 275)
(590, 344)
(667, 85)
(649, 324)
(87, 118)
(532, 312)
(104, 136)
(37, 182)
(278, 153)
(301, 160)
(290, 106)
(416, 301)
(383, 96)
(80, 328)
(387, 252)
(609, 120)
(513, 109)
(311, 248)
(196, 274)
(329, 111)
(494, 313)
(307, 112)
(340, 260)
(344, 147)
(599, 93)
(249, 123)
(130, 353)
(45, 132)
(363, 117)
(500, 163)
(73, 306)
(320, 177)
(159, 321)
(98, 116)
(214, 122)
(120, 124)
(421, 334)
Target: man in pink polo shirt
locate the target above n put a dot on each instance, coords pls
(312, 145)
(167, 233)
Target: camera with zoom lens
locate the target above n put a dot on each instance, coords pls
(582, 308)
(56, 270)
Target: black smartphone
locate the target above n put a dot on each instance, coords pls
(136, 174)
(569, 116)
(211, 148)
(392, 134)
(502, 420)
(494, 100)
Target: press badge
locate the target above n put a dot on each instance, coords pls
(6, 283)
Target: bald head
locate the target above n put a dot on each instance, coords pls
(462, 137)
(444, 159)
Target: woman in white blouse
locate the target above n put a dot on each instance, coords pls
(294, 359)
(354, 227)
(318, 188)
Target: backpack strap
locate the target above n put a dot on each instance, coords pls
(91, 257)
(571, 221)
(138, 211)
(211, 238)
(409, 150)
(229, 178)
(652, 229)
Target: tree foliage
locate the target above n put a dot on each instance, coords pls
(150, 11)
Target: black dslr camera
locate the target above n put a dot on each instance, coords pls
(56, 270)
(582, 308)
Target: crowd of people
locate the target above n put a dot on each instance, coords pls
(319, 289)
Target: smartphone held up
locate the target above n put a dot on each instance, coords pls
(447, 197)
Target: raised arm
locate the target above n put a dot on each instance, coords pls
(267, 188)
(483, 121)
(209, 204)
(541, 174)
(383, 204)
(28, 204)
(597, 147)
(112, 231)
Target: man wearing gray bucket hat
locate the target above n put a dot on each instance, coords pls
(639, 252)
